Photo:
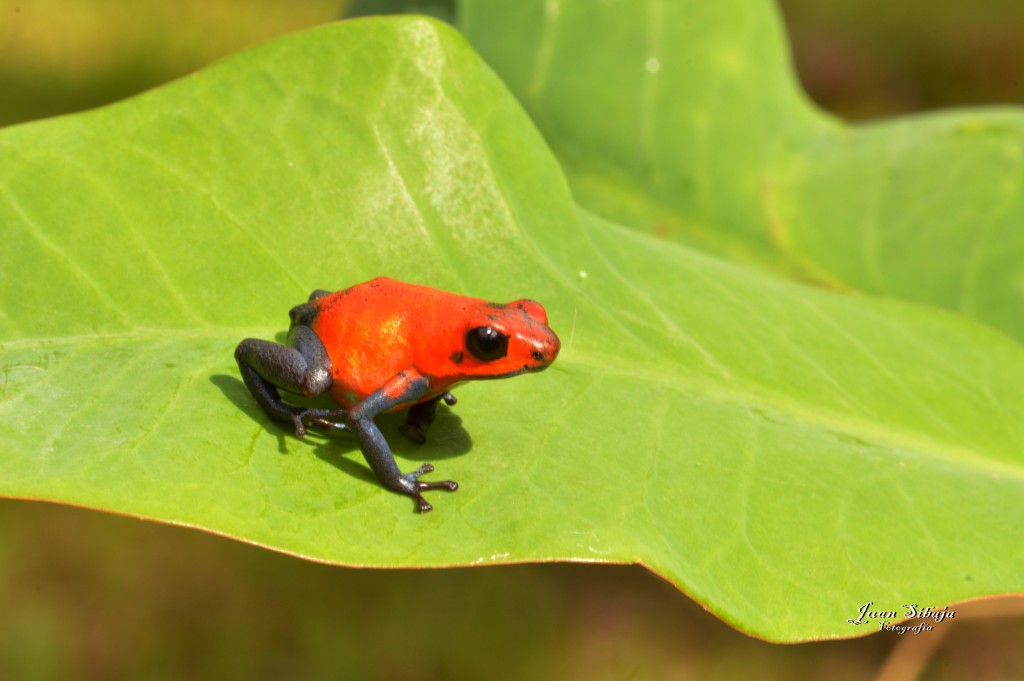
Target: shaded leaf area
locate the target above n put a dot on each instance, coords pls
(670, 125)
(781, 453)
(688, 123)
(928, 208)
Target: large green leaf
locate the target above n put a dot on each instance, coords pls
(782, 453)
(687, 122)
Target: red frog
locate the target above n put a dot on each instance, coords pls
(385, 346)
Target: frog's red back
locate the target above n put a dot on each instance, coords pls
(375, 330)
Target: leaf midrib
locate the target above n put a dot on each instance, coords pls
(144, 334)
(753, 396)
(740, 392)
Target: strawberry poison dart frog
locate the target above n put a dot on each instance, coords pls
(384, 346)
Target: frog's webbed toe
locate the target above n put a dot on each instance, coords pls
(330, 419)
(416, 487)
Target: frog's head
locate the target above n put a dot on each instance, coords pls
(505, 340)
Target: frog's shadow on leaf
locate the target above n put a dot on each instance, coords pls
(445, 439)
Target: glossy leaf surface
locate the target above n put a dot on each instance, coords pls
(688, 123)
(782, 453)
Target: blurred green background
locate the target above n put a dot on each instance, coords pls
(88, 595)
(859, 58)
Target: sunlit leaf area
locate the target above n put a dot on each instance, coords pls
(782, 247)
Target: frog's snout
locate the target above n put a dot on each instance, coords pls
(545, 349)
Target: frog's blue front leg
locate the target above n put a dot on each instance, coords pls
(408, 387)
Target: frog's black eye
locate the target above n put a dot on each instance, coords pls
(486, 343)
